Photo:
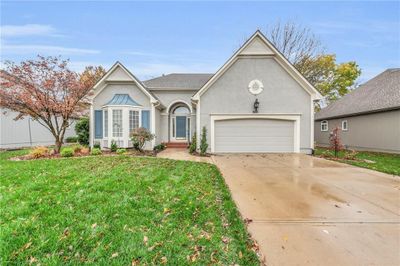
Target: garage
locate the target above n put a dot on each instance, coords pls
(254, 135)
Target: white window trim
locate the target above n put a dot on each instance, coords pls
(347, 125)
(324, 122)
(289, 117)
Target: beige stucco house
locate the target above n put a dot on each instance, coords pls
(176, 106)
(369, 116)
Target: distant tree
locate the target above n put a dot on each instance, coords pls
(91, 75)
(305, 51)
(46, 90)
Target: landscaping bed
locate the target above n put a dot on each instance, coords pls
(119, 210)
(382, 162)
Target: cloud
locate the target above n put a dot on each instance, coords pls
(43, 49)
(27, 30)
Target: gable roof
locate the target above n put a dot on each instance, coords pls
(380, 93)
(97, 89)
(178, 81)
(258, 44)
(122, 99)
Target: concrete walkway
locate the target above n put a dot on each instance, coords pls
(310, 211)
(182, 154)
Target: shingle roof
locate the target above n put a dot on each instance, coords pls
(378, 94)
(178, 81)
(122, 99)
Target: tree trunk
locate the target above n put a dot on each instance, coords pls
(58, 145)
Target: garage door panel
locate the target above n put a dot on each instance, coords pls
(254, 135)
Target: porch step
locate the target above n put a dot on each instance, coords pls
(177, 145)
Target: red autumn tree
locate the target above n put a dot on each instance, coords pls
(336, 143)
(46, 90)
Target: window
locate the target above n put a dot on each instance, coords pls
(133, 120)
(324, 125)
(105, 123)
(344, 125)
(181, 110)
(117, 123)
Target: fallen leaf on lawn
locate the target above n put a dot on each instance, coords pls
(240, 255)
(225, 239)
(32, 260)
(65, 233)
(114, 255)
(164, 260)
(145, 240)
(212, 256)
(94, 225)
(166, 210)
(135, 262)
(27, 245)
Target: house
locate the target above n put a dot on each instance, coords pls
(256, 102)
(369, 116)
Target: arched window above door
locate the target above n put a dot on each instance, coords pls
(181, 110)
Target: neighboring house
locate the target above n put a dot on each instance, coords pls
(25, 132)
(176, 106)
(369, 116)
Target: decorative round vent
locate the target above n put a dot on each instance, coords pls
(256, 87)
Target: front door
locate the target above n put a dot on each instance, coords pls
(180, 127)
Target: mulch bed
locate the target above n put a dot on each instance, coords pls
(104, 153)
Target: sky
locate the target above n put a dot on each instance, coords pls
(155, 38)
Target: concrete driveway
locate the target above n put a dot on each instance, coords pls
(310, 211)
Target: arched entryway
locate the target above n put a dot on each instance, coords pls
(179, 122)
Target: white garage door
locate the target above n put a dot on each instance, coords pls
(254, 135)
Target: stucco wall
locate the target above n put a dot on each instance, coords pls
(374, 132)
(282, 94)
(167, 98)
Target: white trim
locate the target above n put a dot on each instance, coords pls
(178, 101)
(280, 58)
(327, 125)
(290, 117)
(136, 81)
(347, 125)
(198, 127)
(312, 125)
(153, 124)
(91, 126)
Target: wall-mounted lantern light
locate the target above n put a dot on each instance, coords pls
(255, 106)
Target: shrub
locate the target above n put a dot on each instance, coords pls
(96, 145)
(139, 136)
(114, 146)
(73, 139)
(159, 147)
(39, 152)
(203, 142)
(77, 149)
(95, 151)
(193, 144)
(82, 131)
(67, 152)
(121, 151)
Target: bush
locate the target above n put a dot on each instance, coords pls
(159, 147)
(96, 145)
(73, 139)
(39, 152)
(121, 151)
(82, 131)
(139, 136)
(77, 149)
(114, 146)
(95, 151)
(193, 144)
(335, 142)
(203, 142)
(67, 152)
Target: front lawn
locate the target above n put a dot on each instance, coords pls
(118, 210)
(382, 162)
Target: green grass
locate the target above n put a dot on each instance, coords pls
(115, 210)
(382, 162)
